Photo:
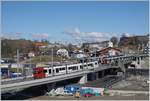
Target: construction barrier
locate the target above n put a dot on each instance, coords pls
(77, 91)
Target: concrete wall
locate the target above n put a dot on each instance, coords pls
(83, 79)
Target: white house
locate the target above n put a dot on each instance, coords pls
(110, 44)
(31, 54)
(63, 52)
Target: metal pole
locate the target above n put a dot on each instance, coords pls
(17, 62)
(52, 57)
(0, 49)
(30, 67)
(40, 58)
(61, 58)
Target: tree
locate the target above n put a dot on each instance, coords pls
(114, 40)
(70, 47)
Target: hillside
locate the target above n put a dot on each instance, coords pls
(134, 42)
(9, 47)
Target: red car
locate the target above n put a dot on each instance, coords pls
(38, 73)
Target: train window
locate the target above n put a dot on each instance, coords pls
(73, 68)
(96, 63)
(50, 71)
(45, 71)
(63, 68)
(57, 70)
(34, 71)
(132, 65)
(84, 65)
(81, 67)
(90, 65)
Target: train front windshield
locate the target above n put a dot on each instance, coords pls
(35, 71)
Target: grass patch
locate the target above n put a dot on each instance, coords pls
(39, 59)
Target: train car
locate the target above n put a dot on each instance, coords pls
(73, 68)
(38, 73)
(58, 70)
(42, 72)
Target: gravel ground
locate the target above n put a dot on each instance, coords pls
(133, 83)
(132, 97)
(130, 84)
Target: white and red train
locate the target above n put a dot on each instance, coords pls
(42, 72)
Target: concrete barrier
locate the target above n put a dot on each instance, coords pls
(128, 92)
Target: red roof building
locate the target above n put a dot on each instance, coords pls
(109, 51)
(39, 44)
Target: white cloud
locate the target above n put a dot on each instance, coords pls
(40, 36)
(87, 36)
(10, 35)
(126, 34)
(18, 33)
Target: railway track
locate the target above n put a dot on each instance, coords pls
(21, 79)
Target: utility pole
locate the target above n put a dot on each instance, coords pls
(30, 56)
(95, 55)
(52, 60)
(18, 62)
(0, 50)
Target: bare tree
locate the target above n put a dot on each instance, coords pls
(114, 40)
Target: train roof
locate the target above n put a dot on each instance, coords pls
(75, 64)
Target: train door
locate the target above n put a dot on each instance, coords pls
(46, 72)
(50, 71)
(81, 67)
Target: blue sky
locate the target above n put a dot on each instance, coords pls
(73, 21)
